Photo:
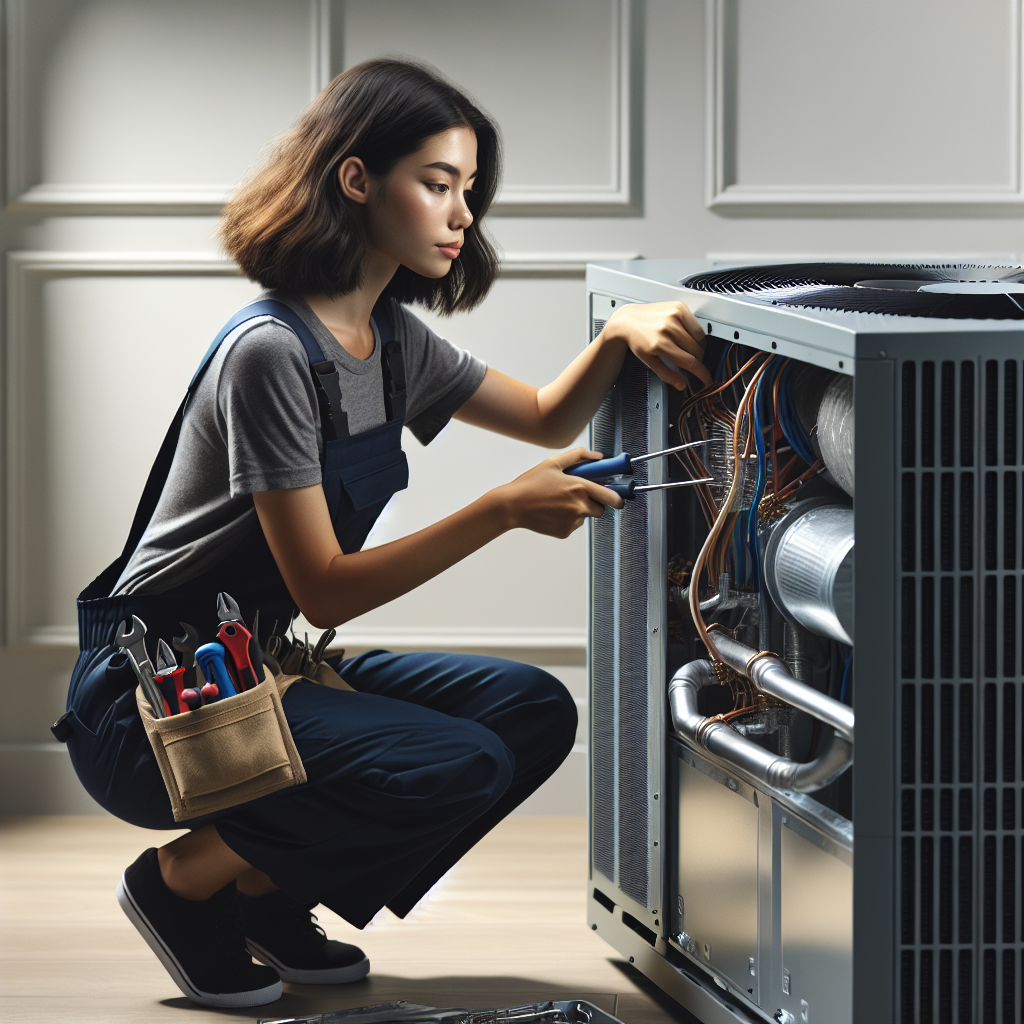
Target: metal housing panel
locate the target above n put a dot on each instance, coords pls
(718, 871)
(816, 914)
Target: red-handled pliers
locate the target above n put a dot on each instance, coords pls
(238, 642)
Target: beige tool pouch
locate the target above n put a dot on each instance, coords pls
(227, 753)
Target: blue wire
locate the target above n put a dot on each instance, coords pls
(790, 421)
(846, 679)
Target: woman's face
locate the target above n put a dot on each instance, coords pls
(417, 215)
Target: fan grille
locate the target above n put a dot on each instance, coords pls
(862, 288)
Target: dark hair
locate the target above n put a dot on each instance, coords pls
(290, 227)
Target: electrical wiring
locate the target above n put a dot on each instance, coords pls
(742, 423)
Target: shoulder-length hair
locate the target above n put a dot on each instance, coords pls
(290, 227)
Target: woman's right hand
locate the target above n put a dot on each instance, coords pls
(547, 500)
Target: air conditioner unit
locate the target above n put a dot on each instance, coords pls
(735, 858)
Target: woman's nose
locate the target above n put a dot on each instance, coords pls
(461, 216)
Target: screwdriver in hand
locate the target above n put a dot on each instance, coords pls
(605, 472)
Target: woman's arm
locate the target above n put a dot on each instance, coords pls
(554, 415)
(330, 587)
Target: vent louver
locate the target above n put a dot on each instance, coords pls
(621, 719)
(961, 911)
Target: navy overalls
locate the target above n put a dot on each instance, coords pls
(404, 775)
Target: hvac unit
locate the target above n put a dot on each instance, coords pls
(829, 831)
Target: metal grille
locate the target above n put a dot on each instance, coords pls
(619, 669)
(603, 668)
(634, 841)
(960, 911)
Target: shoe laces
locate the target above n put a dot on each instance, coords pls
(226, 942)
(305, 922)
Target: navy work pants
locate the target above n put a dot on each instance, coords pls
(404, 776)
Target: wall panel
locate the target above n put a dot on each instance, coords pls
(133, 104)
(556, 74)
(873, 102)
(100, 350)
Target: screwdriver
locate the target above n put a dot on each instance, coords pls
(603, 471)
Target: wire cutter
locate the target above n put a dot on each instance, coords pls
(617, 473)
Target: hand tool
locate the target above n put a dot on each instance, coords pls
(211, 661)
(133, 643)
(617, 473)
(170, 678)
(321, 648)
(246, 657)
(186, 646)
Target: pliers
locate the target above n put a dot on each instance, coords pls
(617, 473)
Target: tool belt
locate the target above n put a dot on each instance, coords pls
(232, 751)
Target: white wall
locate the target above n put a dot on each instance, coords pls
(668, 128)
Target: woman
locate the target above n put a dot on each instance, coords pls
(267, 487)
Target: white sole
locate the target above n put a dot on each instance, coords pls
(295, 976)
(255, 997)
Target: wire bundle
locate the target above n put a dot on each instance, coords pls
(753, 401)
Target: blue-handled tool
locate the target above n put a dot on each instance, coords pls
(211, 660)
(617, 473)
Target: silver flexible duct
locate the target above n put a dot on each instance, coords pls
(808, 567)
(834, 756)
(770, 674)
(835, 431)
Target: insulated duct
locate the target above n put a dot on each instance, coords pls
(835, 431)
(808, 567)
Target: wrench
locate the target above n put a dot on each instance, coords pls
(187, 645)
(133, 643)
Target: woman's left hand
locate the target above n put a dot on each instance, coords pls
(662, 329)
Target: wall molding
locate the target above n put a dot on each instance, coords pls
(728, 197)
(24, 267)
(620, 197)
(53, 199)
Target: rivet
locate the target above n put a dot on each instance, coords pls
(775, 344)
(631, 960)
(736, 335)
(593, 927)
(840, 364)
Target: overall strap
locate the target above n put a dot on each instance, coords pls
(392, 362)
(162, 464)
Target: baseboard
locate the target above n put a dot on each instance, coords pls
(565, 792)
(37, 778)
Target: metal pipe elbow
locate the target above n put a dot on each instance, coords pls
(725, 743)
(771, 674)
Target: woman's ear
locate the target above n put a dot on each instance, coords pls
(354, 179)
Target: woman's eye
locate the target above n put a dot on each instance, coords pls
(440, 189)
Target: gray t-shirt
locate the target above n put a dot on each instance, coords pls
(253, 425)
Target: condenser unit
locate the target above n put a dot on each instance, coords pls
(829, 831)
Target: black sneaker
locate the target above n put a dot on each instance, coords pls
(200, 942)
(284, 935)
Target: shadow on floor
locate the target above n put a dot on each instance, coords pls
(471, 992)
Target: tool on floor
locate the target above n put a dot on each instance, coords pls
(170, 678)
(218, 682)
(133, 643)
(559, 1011)
(238, 642)
(617, 473)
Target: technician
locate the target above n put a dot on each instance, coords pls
(373, 200)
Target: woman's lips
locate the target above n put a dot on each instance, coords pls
(451, 251)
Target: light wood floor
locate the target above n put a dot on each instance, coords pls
(506, 926)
